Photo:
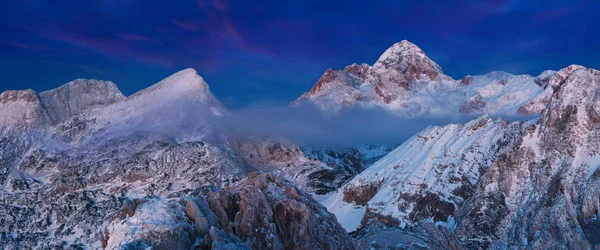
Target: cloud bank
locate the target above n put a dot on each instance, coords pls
(308, 126)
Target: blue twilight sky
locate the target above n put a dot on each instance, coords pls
(273, 51)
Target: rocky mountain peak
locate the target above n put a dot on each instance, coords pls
(575, 104)
(406, 56)
(551, 82)
(399, 68)
(75, 97)
(400, 49)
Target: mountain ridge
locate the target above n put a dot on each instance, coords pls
(405, 81)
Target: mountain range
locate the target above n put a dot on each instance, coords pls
(83, 166)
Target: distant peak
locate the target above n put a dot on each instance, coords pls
(407, 57)
(405, 46)
(404, 51)
(183, 80)
(183, 85)
(188, 71)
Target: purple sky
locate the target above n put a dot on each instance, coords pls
(273, 51)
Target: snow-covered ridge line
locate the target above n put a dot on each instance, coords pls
(405, 81)
(102, 102)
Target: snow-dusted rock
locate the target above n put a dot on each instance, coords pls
(78, 96)
(258, 212)
(22, 110)
(407, 82)
(68, 169)
(426, 178)
(543, 191)
(273, 214)
(492, 184)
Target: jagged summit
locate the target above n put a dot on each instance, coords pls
(406, 52)
(405, 81)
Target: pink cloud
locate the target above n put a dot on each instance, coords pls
(233, 32)
(217, 12)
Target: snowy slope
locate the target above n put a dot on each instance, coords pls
(407, 82)
(179, 105)
(492, 184)
(427, 177)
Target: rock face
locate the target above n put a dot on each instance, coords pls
(407, 82)
(258, 212)
(22, 110)
(272, 214)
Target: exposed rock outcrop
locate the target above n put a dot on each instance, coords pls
(271, 214)
(259, 212)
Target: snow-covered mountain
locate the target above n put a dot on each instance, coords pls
(407, 82)
(83, 166)
(489, 183)
(72, 157)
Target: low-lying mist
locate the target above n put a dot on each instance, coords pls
(307, 125)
